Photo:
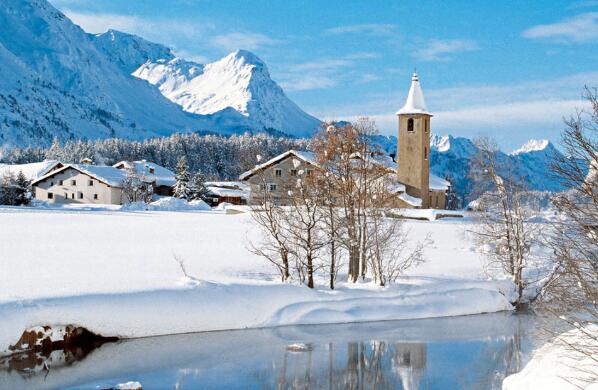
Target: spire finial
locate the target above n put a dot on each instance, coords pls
(414, 76)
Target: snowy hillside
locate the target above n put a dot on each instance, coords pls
(240, 80)
(59, 81)
(129, 51)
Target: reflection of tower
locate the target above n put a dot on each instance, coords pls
(410, 363)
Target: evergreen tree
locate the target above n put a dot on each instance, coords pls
(181, 188)
(8, 195)
(197, 187)
(21, 190)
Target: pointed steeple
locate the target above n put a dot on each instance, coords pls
(415, 103)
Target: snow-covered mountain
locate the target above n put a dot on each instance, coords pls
(240, 80)
(59, 81)
(451, 157)
(129, 51)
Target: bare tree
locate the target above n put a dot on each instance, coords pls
(275, 244)
(136, 188)
(305, 223)
(505, 230)
(572, 295)
(344, 153)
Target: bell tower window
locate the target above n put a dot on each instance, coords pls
(410, 125)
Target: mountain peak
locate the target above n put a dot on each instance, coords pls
(246, 57)
(533, 145)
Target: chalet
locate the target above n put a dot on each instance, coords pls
(95, 184)
(232, 192)
(408, 177)
(80, 183)
(162, 179)
(275, 174)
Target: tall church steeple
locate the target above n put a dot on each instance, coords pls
(414, 144)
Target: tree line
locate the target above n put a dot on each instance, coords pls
(217, 157)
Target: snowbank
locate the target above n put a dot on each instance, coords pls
(556, 367)
(115, 273)
(167, 203)
(210, 306)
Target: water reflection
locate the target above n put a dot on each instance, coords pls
(473, 352)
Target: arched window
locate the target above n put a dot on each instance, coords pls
(410, 124)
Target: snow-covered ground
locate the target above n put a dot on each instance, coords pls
(114, 272)
(557, 366)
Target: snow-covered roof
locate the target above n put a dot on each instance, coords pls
(227, 184)
(415, 103)
(31, 171)
(438, 183)
(308, 157)
(412, 200)
(106, 174)
(161, 176)
(227, 192)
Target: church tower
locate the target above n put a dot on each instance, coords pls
(414, 144)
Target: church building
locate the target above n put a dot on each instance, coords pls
(409, 176)
(413, 151)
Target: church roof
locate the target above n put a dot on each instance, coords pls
(415, 103)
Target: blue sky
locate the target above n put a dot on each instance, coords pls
(506, 69)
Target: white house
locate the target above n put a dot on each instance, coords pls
(95, 184)
(162, 179)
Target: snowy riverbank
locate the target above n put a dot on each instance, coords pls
(557, 366)
(114, 272)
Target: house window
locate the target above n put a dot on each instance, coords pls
(73, 182)
(152, 170)
(427, 124)
(425, 153)
(60, 182)
(293, 172)
(278, 172)
(50, 195)
(410, 125)
(66, 195)
(309, 172)
(73, 195)
(51, 183)
(95, 196)
(91, 182)
(272, 187)
(80, 195)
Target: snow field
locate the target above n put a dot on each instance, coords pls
(115, 273)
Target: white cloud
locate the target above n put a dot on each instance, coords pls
(307, 82)
(368, 77)
(163, 31)
(510, 113)
(578, 29)
(243, 40)
(372, 28)
(100, 22)
(324, 73)
(441, 49)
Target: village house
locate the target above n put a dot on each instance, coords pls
(162, 179)
(232, 192)
(408, 177)
(95, 184)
